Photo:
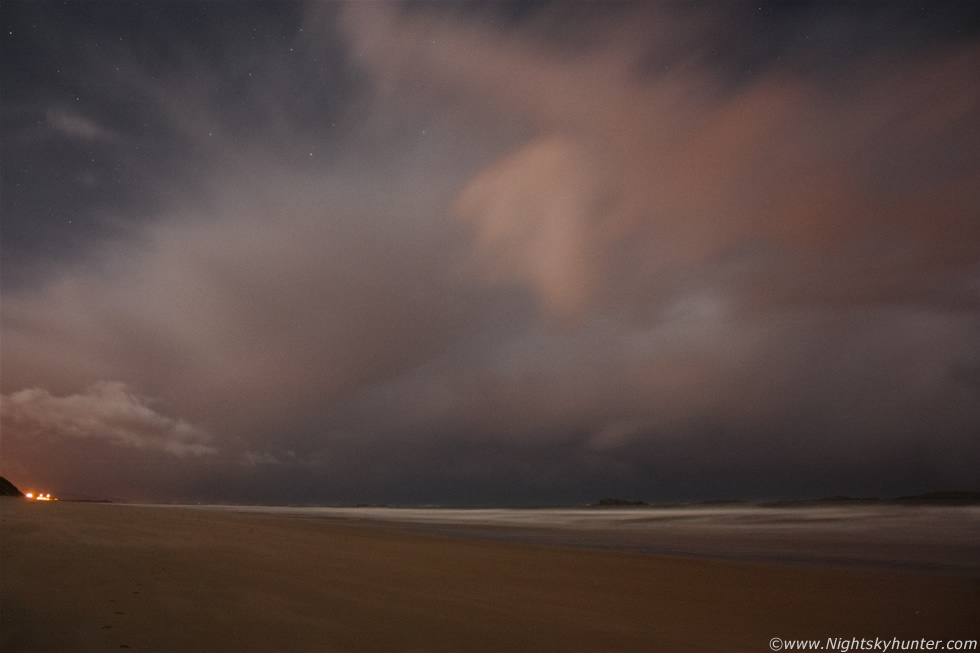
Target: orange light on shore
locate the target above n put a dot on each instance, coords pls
(29, 495)
(40, 496)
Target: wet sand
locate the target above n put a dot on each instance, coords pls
(103, 577)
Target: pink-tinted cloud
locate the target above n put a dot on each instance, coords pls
(671, 170)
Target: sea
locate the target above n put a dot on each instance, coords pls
(944, 539)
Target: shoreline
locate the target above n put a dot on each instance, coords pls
(96, 577)
(944, 540)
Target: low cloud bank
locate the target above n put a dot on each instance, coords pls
(109, 411)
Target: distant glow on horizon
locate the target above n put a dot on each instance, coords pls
(41, 496)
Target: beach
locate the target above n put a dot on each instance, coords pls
(101, 577)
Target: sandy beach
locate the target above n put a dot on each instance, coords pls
(101, 577)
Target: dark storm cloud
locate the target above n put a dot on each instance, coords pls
(496, 253)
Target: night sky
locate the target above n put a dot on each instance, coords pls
(490, 253)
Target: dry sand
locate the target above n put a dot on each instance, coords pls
(102, 577)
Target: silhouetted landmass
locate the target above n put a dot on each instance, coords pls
(835, 500)
(943, 498)
(940, 498)
(619, 502)
(8, 489)
(843, 499)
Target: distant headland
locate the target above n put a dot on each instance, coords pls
(940, 498)
(8, 489)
